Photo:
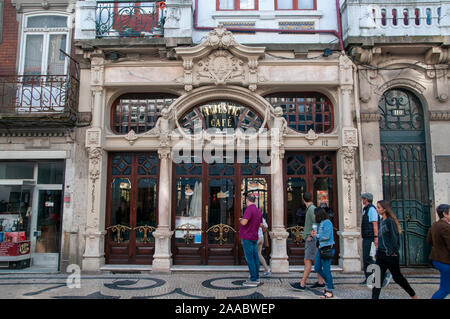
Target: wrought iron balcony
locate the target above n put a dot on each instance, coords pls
(51, 96)
(129, 19)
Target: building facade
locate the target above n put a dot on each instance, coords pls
(185, 106)
(38, 106)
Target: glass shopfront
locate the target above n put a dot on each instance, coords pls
(30, 213)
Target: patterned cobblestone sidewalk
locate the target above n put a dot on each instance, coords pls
(198, 285)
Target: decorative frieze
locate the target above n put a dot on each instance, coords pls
(440, 116)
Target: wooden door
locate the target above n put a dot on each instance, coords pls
(313, 172)
(132, 202)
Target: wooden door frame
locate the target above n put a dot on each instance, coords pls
(309, 175)
(134, 177)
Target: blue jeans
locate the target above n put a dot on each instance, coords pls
(251, 255)
(444, 288)
(323, 268)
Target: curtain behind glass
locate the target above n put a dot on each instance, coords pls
(247, 4)
(284, 4)
(306, 4)
(226, 4)
(33, 55)
(56, 60)
(47, 22)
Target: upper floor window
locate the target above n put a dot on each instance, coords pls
(44, 37)
(305, 111)
(295, 4)
(138, 112)
(237, 4)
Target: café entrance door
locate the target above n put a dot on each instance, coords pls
(208, 200)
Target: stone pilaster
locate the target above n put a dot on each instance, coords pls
(279, 259)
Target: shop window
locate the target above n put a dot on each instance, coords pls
(295, 4)
(51, 172)
(237, 5)
(138, 112)
(305, 111)
(16, 170)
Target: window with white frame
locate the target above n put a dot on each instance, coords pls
(237, 4)
(295, 4)
(43, 38)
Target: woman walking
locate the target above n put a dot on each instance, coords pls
(261, 231)
(325, 239)
(387, 256)
(439, 240)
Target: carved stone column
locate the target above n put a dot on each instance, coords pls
(162, 258)
(278, 258)
(94, 254)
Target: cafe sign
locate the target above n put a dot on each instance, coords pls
(221, 115)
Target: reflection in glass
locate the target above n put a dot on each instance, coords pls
(258, 187)
(323, 192)
(120, 208)
(295, 187)
(188, 209)
(49, 221)
(146, 208)
(221, 210)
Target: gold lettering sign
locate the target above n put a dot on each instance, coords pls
(221, 115)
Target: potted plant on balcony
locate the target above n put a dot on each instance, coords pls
(158, 30)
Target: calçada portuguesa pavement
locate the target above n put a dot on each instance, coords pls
(200, 285)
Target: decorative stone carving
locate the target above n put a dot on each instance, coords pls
(400, 82)
(370, 117)
(220, 67)
(95, 158)
(131, 137)
(220, 60)
(311, 137)
(350, 137)
(440, 116)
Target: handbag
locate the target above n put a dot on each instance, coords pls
(326, 252)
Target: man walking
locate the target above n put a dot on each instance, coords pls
(369, 231)
(248, 233)
(310, 245)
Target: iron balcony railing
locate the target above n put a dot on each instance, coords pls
(129, 19)
(38, 94)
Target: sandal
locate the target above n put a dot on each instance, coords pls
(327, 294)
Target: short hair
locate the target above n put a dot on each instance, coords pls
(320, 214)
(307, 197)
(441, 209)
(251, 198)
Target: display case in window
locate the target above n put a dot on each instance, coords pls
(15, 222)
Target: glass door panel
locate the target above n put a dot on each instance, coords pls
(49, 221)
(33, 54)
(146, 210)
(120, 211)
(220, 216)
(258, 186)
(188, 216)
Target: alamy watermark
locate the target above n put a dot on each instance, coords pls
(74, 279)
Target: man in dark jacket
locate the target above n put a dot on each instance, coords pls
(369, 231)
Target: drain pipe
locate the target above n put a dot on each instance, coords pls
(337, 34)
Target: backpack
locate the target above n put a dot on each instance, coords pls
(301, 216)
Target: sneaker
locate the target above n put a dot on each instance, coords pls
(363, 283)
(297, 286)
(249, 283)
(386, 280)
(266, 274)
(317, 285)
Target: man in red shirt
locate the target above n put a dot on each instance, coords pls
(248, 233)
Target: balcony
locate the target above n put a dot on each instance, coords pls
(38, 100)
(116, 19)
(395, 19)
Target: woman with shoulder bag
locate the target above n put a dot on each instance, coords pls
(387, 256)
(262, 235)
(325, 239)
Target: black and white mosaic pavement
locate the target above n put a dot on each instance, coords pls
(198, 285)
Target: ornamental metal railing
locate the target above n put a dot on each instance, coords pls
(129, 19)
(22, 94)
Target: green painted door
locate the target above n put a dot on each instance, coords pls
(404, 167)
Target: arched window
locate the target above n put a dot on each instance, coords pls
(305, 111)
(138, 112)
